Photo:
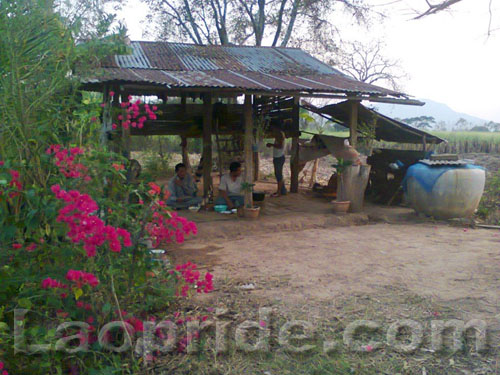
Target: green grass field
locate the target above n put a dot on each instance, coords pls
(457, 142)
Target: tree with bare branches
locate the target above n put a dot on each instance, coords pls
(251, 22)
(437, 7)
(368, 63)
(433, 8)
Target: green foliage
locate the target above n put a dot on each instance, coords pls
(342, 165)
(39, 85)
(489, 208)
(28, 216)
(420, 122)
(247, 187)
(156, 165)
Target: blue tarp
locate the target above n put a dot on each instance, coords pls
(427, 175)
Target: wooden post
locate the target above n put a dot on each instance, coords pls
(126, 141)
(184, 144)
(294, 159)
(207, 143)
(248, 142)
(424, 144)
(256, 166)
(256, 156)
(353, 123)
(105, 116)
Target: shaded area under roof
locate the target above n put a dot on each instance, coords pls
(387, 129)
(180, 66)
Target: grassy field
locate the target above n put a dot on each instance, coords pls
(467, 142)
(457, 142)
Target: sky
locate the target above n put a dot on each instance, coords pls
(448, 57)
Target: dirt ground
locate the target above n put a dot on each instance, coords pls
(383, 264)
(433, 260)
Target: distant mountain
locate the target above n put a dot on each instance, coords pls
(440, 111)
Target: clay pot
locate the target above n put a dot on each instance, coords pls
(341, 207)
(251, 213)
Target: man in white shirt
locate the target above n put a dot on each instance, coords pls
(230, 187)
(278, 159)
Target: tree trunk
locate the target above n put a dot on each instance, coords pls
(313, 173)
(352, 185)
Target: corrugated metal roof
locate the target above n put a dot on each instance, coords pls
(230, 67)
(386, 129)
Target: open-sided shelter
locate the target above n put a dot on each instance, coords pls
(271, 79)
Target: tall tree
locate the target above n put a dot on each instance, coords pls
(421, 122)
(368, 63)
(253, 22)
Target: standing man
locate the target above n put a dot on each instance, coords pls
(182, 189)
(278, 159)
(230, 187)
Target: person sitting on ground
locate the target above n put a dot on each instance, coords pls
(278, 159)
(230, 187)
(182, 189)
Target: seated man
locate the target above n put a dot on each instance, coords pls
(182, 189)
(230, 187)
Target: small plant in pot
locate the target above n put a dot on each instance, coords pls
(250, 211)
(341, 205)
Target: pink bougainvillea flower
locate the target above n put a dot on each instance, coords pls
(118, 167)
(2, 163)
(50, 283)
(155, 189)
(262, 324)
(62, 314)
(93, 119)
(103, 105)
(84, 226)
(368, 348)
(16, 246)
(65, 160)
(111, 93)
(31, 247)
(82, 278)
(114, 126)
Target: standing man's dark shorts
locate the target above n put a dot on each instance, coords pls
(278, 171)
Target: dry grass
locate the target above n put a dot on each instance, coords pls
(329, 319)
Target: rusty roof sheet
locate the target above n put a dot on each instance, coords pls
(177, 65)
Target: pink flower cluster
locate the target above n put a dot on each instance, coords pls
(83, 305)
(15, 183)
(133, 117)
(86, 227)
(166, 225)
(50, 283)
(82, 278)
(191, 277)
(2, 368)
(118, 167)
(65, 160)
